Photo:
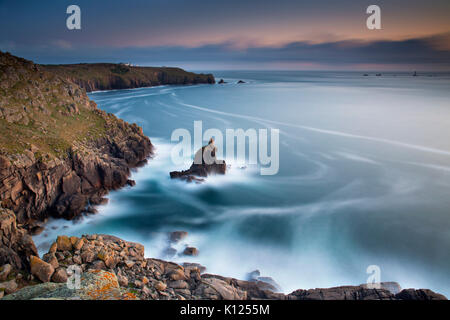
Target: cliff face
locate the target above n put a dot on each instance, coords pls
(106, 76)
(58, 152)
(16, 245)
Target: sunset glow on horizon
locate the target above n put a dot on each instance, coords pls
(144, 32)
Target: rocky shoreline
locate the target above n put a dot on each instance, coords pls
(59, 157)
(113, 269)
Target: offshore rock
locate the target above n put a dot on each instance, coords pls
(205, 163)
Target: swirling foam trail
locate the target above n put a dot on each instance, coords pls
(325, 131)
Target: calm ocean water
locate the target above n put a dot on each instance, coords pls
(364, 179)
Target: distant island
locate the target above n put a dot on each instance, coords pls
(109, 76)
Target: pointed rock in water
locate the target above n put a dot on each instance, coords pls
(205, 163)
(240, 82)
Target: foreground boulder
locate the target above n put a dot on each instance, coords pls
(42, 270)
(205, 163)
(94, 285)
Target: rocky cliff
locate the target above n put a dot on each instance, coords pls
(16, 245)
(107, 76)
(58, 152)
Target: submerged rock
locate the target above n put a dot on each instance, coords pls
(190, 251)
(255, 276)
(177, 236)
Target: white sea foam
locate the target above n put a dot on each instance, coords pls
(355, 157)
(324, 131)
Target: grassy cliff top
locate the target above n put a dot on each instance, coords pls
(44, 113)
(106, 76)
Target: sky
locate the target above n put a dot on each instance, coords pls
(232, 34)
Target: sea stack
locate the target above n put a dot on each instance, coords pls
(205, 163)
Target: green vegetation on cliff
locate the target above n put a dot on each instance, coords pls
(41, 112)
(108, 76)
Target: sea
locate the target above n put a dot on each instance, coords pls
(362, 189)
